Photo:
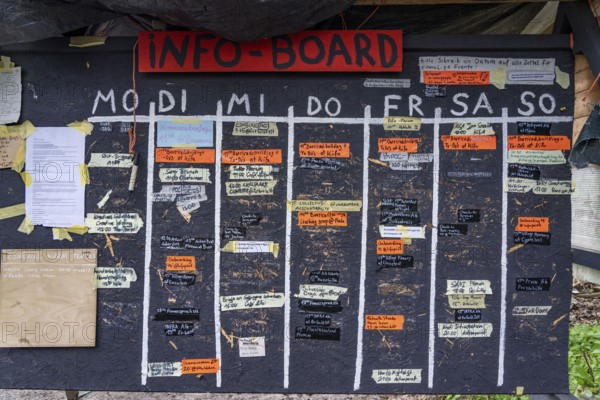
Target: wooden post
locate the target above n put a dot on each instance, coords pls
(72, 394)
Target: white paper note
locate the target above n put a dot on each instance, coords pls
(10, 96)
(56, 196)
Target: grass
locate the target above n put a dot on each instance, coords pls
(584, 367)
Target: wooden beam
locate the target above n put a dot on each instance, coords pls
(429, 2)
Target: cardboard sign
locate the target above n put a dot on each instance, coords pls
(384, 322)
(392, 246)
(200, 366)
(181, 263)
(309, 51)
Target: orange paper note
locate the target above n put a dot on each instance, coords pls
(181, 263)
(395, 246)
(456, 77)
(185, 156)
(533, 224)
(331, 150)
(384, 322)
(261, 156)
(527, 142)
(322, 218)
(398, 145)
(468, 142)
(200, 366)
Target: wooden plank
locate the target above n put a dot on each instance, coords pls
(583, 80)
(581, 63)
(427, 2)
(583, 108)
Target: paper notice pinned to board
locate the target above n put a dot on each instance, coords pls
(468, 287)
(321, 292)
(392, 123)
(267, 129)
(113, 223)
(250, 188)
(401, 231)
(111, 160)
(247, 301)
(472, 129)
(544, 157)
(252, 346)
(54, 193)
(465, 330)
(10, 100)
(466, 300)
(114, 278)
(396, 376)
(179, 175)
(9, 147)
(164, 369)
(235, 246)
(324, 205)
(250, 172)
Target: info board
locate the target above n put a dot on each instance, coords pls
(313, 232)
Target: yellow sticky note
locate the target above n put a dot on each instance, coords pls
(26, 226)
(84, 174)
(82, 126)
(12, 211)
(86, 41)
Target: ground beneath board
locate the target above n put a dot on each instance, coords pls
(585, 309)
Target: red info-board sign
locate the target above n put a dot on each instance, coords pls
(310, 51)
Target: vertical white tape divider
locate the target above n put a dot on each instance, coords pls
(503, 260)
(363, 248)
(148, 245)
(434, 240)
(217, 272)
(288, 249)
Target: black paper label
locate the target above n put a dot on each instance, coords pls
(179, 279)
(177, 314)
(411, 218)
(394, 261)
(533, 284)
(533, 128)
(467, 315)
(317, 319)
(179, 329)
(435, 91)
(250, 219)
(447, 230)
(325, 164)
(324, 276)
(191, 243)
(524, 171)
(234, 233)
(469, 215)
(326, 306)
(537, 238)
(317, 333)
(391, 204)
